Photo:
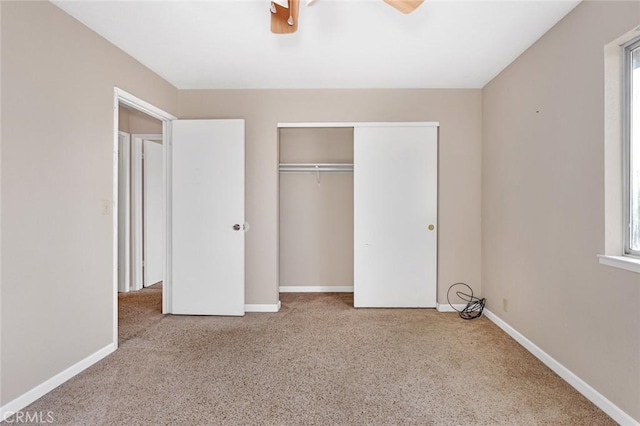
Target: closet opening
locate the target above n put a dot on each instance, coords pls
(316, 220)
(358, 207)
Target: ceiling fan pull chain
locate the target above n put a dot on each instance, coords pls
(290, 21)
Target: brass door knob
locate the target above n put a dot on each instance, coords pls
(431, 227)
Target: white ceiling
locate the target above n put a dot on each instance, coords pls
(339, 43)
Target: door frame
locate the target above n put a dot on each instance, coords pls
(353, 124)
(123, 97)
(137, 209)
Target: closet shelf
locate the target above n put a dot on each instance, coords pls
(316, 167)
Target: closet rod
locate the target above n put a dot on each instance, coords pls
(316, 167)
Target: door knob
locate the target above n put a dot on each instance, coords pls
(431, 227)
(236, 227)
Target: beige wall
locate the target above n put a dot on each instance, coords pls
(133, 121)
(57, 159)
(543, 205)
(316, 218)
(123, 119)
(459, 114)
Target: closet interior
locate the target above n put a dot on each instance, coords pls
(316, 199)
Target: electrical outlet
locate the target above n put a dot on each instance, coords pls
(505, 304)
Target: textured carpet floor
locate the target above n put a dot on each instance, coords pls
(316, 362)
(138, 311)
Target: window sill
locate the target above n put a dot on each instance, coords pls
(622, 262)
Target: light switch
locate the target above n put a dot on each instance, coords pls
(106, 207)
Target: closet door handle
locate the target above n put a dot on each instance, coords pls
(236, 227)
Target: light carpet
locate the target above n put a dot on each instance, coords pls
(318, 361)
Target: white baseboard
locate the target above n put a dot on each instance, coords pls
(43, 388)
(316, 289)
(580, 385)
(263, 308)
(445, 307)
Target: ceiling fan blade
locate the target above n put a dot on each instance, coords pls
(405, 6)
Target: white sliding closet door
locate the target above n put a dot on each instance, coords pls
(208, 217)
(395, 209)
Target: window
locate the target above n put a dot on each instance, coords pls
(622, 152)
(631, 134)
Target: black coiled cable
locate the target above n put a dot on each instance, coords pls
(474, 307)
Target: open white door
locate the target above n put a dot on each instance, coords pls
(207, 217)
(153, 212)
(395, 210)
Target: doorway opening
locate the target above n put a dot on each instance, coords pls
(141, 138)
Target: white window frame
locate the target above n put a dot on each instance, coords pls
(627, 135)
